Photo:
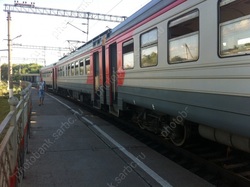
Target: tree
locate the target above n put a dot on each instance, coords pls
(4, 72)
(18, 69)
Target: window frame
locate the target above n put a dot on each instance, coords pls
(193, 14)
(81, 68)
(69, 69)
(77, 68)
(87, 65)
(225, 23)
(126, 44)
(148, 46)
(72, 64)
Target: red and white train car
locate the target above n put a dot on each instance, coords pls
(176, 65)
(49, 75)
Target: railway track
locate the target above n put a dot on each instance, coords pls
(211, 161)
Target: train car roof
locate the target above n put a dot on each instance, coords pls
(148, 10)
(85, 47)
(143, 13)
(48, 66)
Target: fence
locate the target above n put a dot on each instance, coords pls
(14, 130)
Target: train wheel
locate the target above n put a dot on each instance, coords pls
(140, 124)
(180, 134)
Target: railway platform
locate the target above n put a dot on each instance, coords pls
(69, 147)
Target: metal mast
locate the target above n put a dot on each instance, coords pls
(31, 9)
(39, 47)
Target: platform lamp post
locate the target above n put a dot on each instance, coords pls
(10, 73)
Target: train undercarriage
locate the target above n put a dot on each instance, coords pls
(175, 129)
(179, 131)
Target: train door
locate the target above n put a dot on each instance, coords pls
(96, 80)
(54, 78)
(103, 89)
(113, 78)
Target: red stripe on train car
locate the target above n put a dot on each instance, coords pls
(126, 35)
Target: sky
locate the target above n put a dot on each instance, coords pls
(41, 30)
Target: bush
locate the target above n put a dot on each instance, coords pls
(4, 89)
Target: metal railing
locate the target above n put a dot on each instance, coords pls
(15, 132)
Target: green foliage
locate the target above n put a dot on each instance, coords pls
(149, 60)
(5, 107)
(4, 95)
(18, 69)
(178, 59)
(4, 72)
(3, 88)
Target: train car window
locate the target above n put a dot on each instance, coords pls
(234, 26)
(183, 38)
(58, 72)
(68, 69)
(72, 68)
(149, 49)
(87, 66)
(63, 71)
(81, 67)
(128, 55)
(76, 67)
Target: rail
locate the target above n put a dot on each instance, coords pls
(14, 144)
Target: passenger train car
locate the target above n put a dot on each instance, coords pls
(174, 65)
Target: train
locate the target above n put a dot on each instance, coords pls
(175, 67)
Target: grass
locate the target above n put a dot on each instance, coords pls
(4, 107)
(4, 95)
(4, 110)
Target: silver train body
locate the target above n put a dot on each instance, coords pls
(183, 58)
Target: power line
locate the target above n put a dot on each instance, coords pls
(108, 11)
(114, 6)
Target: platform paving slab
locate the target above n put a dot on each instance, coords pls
(67, 152)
